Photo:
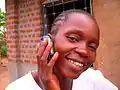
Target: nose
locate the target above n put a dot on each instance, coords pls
(82, 50)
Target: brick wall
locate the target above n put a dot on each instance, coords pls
(24, 29)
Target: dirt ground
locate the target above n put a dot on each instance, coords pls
(4, 74)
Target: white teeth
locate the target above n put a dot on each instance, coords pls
(71, 61)
(76, 63)
(80, 64)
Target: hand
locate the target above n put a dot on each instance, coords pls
(45, 68)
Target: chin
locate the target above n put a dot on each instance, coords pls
(71, 75)
(74, 75)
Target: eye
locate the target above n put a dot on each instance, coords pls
(73, 38)
(92, 47)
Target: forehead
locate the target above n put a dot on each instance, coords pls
(81, 20)
(82, 23)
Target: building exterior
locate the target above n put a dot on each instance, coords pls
(25, 27)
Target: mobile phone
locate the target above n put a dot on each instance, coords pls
(52, 50)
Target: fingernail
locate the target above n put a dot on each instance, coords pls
(42, 40)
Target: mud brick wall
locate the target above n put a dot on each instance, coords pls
(107, 14)
(24, 29)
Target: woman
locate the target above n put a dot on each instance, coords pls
(75, 39)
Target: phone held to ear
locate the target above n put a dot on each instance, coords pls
(52, 50)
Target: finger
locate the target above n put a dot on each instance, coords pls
(39, 62)
(41, 65)
(53, 59)
(40, 50)
(47, 52)
(41, 47)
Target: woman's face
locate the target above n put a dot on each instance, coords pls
(76, 41)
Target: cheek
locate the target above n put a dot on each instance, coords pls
(93, 57)
(63, 46)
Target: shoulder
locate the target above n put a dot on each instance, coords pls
(93, 80)
(24, 83)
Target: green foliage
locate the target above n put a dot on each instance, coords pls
(4, 51)
(2, 18)
(3, 47)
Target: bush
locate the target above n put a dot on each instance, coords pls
(3, 51)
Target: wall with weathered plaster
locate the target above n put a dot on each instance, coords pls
(107, 14)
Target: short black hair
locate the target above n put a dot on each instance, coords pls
(63, 17)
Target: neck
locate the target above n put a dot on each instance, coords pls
(65, 83)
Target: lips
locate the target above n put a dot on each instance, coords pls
(77, 62)
(77, 66)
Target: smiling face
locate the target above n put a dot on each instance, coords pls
(76, 41)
